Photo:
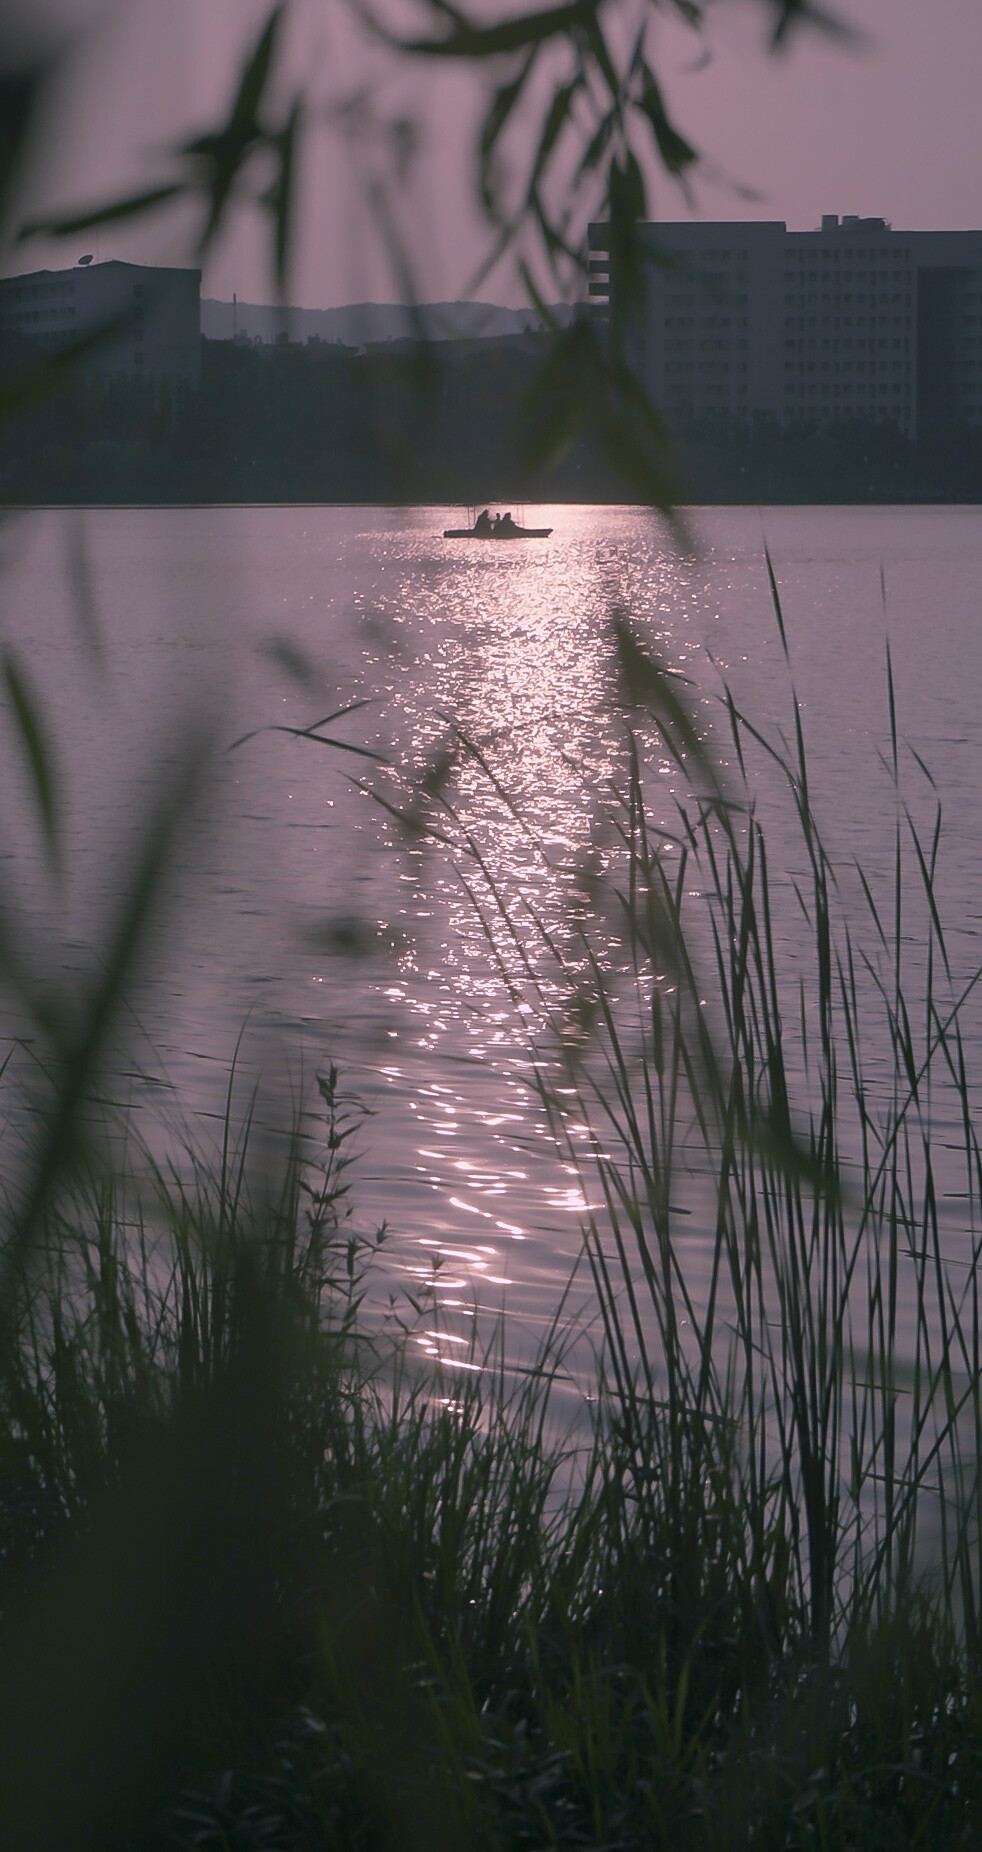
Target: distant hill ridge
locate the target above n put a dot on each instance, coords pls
(360, 323)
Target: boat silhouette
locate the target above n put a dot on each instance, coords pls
(502, 527)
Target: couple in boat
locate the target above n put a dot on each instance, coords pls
(493, 527)
(502, 527)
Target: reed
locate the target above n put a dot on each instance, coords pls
(797, 1396)
(266, 1580)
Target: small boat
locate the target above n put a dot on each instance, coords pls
(502, 528)
(513, 533)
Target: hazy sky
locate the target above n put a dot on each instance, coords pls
(893, 129)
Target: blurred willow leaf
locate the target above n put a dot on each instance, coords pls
(676, 153)
(631, 435)
(792, 13)
(19, 94)
(81, 1038)
(596, 147)
(626, 207)
(279, 197)
(131, 206)
(559, 115)
(603, 59)
(294, 660)
(223, 152)
(30, 726)
(771, 1136)
(83, 591)
(579, 390)
(464, 38)
(552, 415)
(213, 162)
(252, 84)
(499, 113)
(645, 682)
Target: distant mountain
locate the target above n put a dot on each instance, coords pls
(363, 322)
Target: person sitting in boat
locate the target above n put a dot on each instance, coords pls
(483, 523)
(506, 525)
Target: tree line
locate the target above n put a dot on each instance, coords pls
(438, 422)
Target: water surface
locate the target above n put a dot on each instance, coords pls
(300, 908)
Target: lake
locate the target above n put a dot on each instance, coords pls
(298, 907)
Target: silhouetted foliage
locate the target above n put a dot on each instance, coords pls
(257, 1592)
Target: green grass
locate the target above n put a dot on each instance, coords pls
(265, 1582)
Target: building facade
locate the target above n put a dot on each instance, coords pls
(151, 317)
(852, 320)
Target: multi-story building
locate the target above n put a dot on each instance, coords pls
(151, 317)
(853, 320)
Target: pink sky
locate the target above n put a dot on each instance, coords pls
(894, 129)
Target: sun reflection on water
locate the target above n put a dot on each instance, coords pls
(509, 648)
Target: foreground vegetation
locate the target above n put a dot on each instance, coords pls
(263, 1583)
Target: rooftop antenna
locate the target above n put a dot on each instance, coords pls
(235, 316)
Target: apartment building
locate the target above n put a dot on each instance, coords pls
(852, 320)
(152, 316)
